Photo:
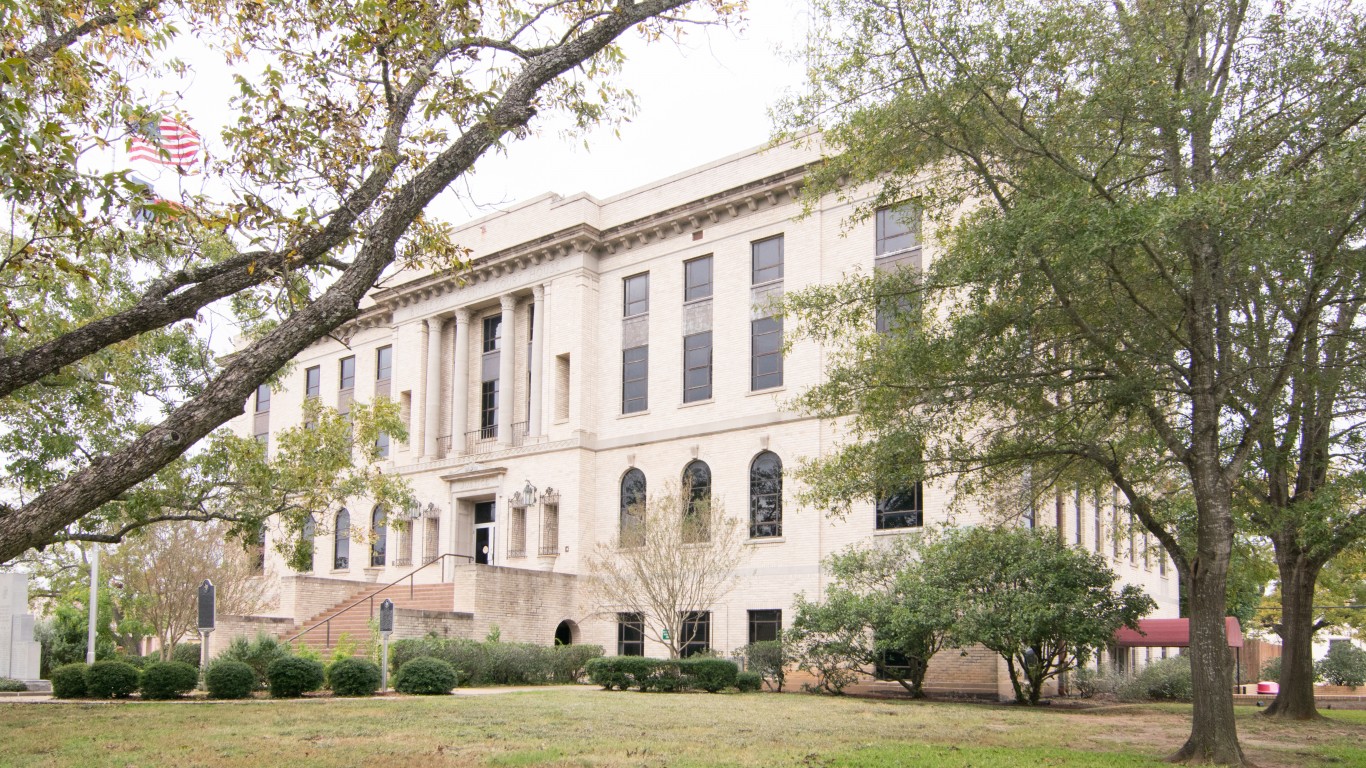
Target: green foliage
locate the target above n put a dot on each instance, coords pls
(830, 642)
(1345, 664)
(258, 654)
(187, 653)
(425, 676)
(111, 680)
(747, 682)
(344, 648)
(769, 660)
(168, 679)
(1162, 680)
(228, 679)
(10, 685)
(662, 675)
(353, 677)
(498, 663)
(63, 636)
(289, 677)
(68, 681)
(136, 662)
(1271, 670)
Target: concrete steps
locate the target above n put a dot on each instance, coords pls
(351, 616)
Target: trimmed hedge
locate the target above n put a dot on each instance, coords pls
(10, 685)
(111, 680)
(68, 681)
(746, 682)
(186, 653)
(498, 663)
(353, 677)
(168, 680)
(1164, 680)
(290, 677)
(228, 679)
(258, 653)
(663, 675)
(425, 676)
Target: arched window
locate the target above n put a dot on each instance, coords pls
(341, 541)
(697, 491)
(379, 537)
(632, 502)
(307, 544)
(766, 496)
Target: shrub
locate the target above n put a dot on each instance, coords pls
(769, 660)
(497, 663)
(186, 653)
(228, 679)
(568, 661)
(1345, 664)
(1164, 680)
(748, 681)
(68, 681)
(111, 680)
(620, 672)
(711, 675)
(290, 677)
(136, 662)
(168, 679)
(1271, 670)
(425, 676)
(258, 653)
(353, 677)
(10, 685)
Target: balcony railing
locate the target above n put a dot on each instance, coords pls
(486, 440)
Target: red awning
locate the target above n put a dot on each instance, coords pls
(1171, 633)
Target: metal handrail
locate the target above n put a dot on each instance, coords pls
(327, 622)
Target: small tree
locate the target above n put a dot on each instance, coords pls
(676, 555)
(1043, 606)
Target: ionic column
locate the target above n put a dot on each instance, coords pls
(431, 408)
(533, 427)
(461, 385)
(507, 382)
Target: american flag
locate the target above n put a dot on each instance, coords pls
(166, 143)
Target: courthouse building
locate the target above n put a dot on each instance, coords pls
(594, 352)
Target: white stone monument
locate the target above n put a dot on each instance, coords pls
(19, 652)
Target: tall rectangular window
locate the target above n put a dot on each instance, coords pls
(384, 363)
(488, 409)
(697, 278)
(766, 353)
(630, 634)
(697, 367)
(313, 378)
(696, 634)
(263, 398)
(898, 228)
(635, 369)
(636, 295)
(347, 373)
(765, 625)
(1100, 526)
(902, 509)
(488, 376)
(493, 333)
(260, 426)
(766, 260)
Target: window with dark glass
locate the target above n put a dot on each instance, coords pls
(308, 541)
(493, 333)
(635, 388)
(630, 634)
(697, 490)
(902, 509)
(765, 625)
(766, 260)
(347, 378)
(382, 445)
(766, 353)
(697, 278)
(384, 363)
(488, 409)
(263, 398)
(697, 367)
(696, 634)
(766, 496)
(636, 295)
(379, 537)
(632, 504)
(341, 541)
(313, 381)
(898, 228)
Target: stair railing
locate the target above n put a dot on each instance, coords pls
(326, 623)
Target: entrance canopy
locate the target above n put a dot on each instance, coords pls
(1171, 633)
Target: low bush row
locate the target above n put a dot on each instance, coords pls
(119, 680)
(498, 663)
(286, 677)
(667, 675)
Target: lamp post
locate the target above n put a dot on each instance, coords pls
(94, 603)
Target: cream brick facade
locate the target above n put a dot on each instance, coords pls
(569, 257)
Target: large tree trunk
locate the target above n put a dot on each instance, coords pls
(1295, 699)
(1214, 734)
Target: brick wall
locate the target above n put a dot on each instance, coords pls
(414, 623)
(525, 605)
(230, 627)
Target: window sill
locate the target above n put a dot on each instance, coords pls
(898, 531)
(341, 570)
(694, 403)
(769, 391)
(759, 541)
(634, 414)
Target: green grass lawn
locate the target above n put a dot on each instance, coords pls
(589, 727)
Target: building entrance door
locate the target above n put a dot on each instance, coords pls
(483, 532)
